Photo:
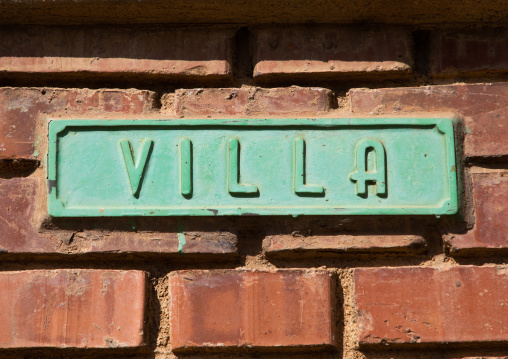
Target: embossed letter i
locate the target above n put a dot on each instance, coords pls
(363, 173)
(136, 171)
(186, 167)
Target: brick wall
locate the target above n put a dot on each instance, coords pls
(326, 287)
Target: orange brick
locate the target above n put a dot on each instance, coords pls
(72, 308)
(233, 308)
(280, 245)
(418, 305)
(252, 101)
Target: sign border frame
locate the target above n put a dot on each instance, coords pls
(444, 125)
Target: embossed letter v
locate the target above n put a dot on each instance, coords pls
(136, 171)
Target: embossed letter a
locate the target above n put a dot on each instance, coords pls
(364, 174)
(136, 171)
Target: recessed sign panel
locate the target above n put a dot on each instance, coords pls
(251, 167)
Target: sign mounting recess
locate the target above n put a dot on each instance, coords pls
(251, 167)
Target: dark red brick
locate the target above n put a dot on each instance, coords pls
(164, 242)
(422, 13)
(331, 52)
(232, 308)
(21, 109)
(22, 230)
(252, 101)
(490, 198)
(287, 244)
(484, 107)
(152, 51)
(17, 209)
(72, 308)
(474, 52)
(410, 305)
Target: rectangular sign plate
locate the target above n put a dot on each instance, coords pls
(251, 167)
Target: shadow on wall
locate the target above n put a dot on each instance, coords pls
(120, 42)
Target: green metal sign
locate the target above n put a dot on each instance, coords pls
(251, 167)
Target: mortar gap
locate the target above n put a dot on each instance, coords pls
(242, 59)
(421, 41)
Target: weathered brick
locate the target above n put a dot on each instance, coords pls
(129, 51)
(209, 243)
(231, 308)
(477, 52)
(277, 245)
(410, 305)
(252, 101)
(17, 207)
(444, 13)
(484, 107)
(72, 308)
(22, 232)
(490, 198)
(331, 52)
(22, 108)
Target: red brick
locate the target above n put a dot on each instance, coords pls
(425, 13)
(277, 245)
(484, 107)
(72, 308)
(490, 198)
(22, 108)
(410, 305)
(17, 207)
(252, 101)
(477, 52)
(231, 308)
(22, 232)
(331, 52)
(209, 243)
(153, 51)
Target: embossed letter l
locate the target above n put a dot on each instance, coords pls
(234, 187)
(299, 185)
